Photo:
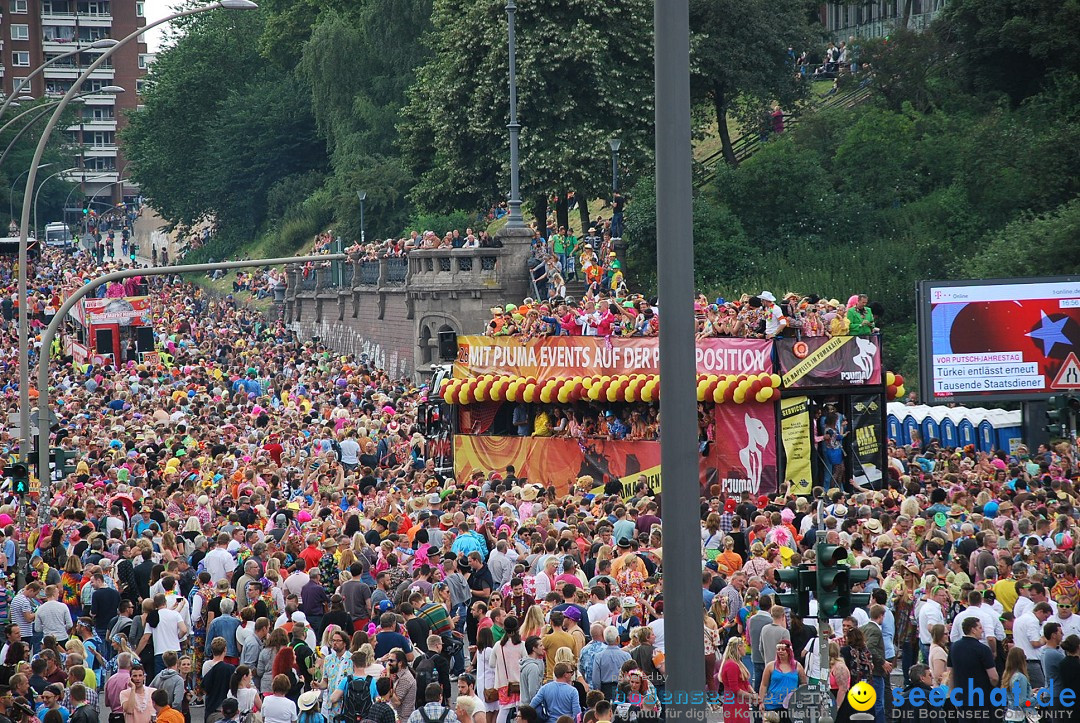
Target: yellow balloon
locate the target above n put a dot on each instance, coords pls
(718, 394)
(890, 379)
(775, 380)
(512, 392)
(740, 396)
(900, 391)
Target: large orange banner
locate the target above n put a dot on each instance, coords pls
(567, 356)
(741, 458)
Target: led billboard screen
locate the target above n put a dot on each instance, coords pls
(998, 338)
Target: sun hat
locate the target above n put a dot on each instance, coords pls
(308, 700)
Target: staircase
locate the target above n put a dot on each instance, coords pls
(749, 143)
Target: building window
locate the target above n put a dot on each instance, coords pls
(21, 59)
(144, 61)
(20, 32)
(140, 86)
(18, 6)
(140, 9)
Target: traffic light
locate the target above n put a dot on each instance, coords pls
(20, 478)
(834, 581)
(64, 461)
(800, 584)
(133, 248)
(1060, 409)
(86, 207)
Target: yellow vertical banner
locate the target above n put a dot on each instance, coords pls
(798, 453)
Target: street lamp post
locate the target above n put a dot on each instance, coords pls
(361, 195)
(24, 336)
(678, 404)
(11, 191)
(615, 143)
(103, 44)
(37, 195)
(41, 111)
(514, 219)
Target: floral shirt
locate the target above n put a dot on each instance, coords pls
(334, 669)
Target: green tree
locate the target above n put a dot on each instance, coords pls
(1032, 246)
(741, 59)
(168, 141)
(584, 75)
(213, 136)
(261, 135)
(1013, 46)
(721, 251)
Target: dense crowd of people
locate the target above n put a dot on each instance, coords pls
(253, 526)
(608, 313)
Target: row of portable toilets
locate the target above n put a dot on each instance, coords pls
(987, 429)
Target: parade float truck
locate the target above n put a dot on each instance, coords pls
(757, 399)
(110, 330)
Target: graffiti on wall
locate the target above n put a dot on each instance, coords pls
(341, 338)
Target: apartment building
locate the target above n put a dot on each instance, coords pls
(35, 31)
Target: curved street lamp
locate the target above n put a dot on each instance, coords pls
(11, 191)
(24, 335)
(42, 110)
(103, 44)
(37, 195)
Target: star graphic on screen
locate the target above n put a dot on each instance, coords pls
(1050, 333)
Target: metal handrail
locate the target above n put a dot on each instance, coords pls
(748, 144)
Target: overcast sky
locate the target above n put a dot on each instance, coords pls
(156, 9)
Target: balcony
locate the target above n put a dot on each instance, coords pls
(72, 73)
(68, 19)
(94, 124)
(103, 151)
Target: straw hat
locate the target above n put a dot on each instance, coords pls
(529, 493)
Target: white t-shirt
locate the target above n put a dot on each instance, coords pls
(1069, 625)
(278, 709)
(773, 317)
(350, 451)
(599, 613)
(166, 634)
(219, 563)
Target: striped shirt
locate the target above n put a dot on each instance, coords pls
(19, 607)
(437, 618)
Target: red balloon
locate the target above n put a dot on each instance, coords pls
(899, 379)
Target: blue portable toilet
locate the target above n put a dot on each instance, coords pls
(911, 429)
(987, 437)
(895, 429)
(949, 437)
(1008, 429)
(965, 432)
(930, 429)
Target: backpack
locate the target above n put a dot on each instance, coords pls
(357, 700)
(862, 665)
(424, 670)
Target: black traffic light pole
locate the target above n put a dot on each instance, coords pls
(823, 627)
